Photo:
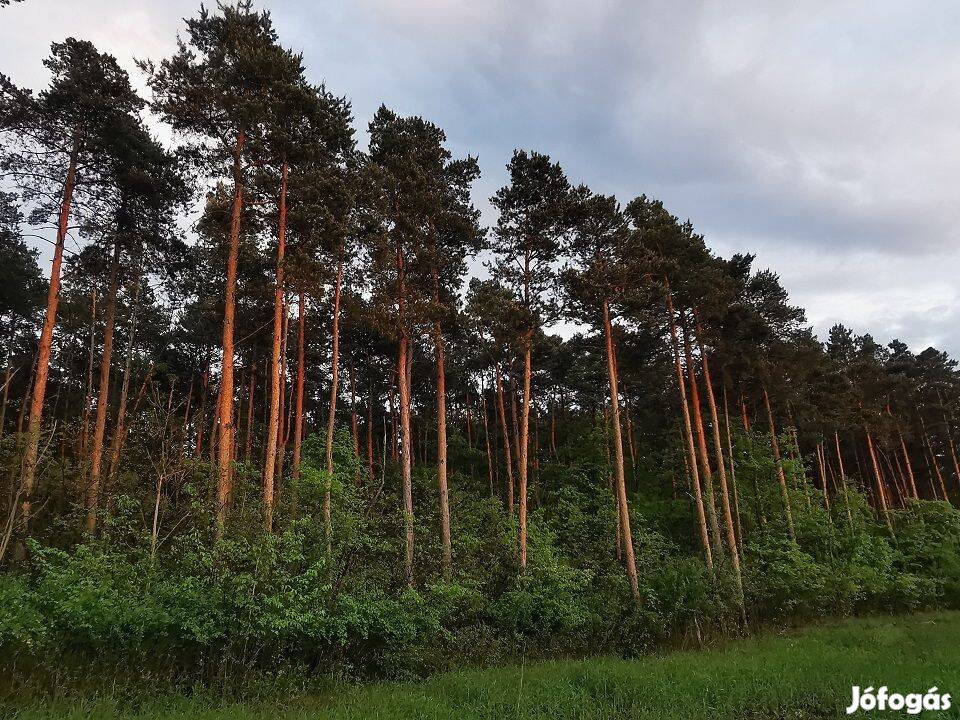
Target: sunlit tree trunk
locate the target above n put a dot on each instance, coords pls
(881, 492)
(688, 432)
(30, 455)
(933, 460)
(406, 439)
(843, 476)
(332, 408)
(822, 463)
(619, 474)
(225, 405)
(440, 359)
(273, 416)
(703, 454)
(733, 474)
(775, 445)
(721, 467)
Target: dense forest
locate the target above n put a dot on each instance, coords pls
(281, 401)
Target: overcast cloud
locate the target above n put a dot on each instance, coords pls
(823, 136)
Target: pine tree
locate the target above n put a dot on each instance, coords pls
(66, 131)
(218, 92)
(527, 242)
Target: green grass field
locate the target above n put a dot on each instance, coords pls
(803, 674)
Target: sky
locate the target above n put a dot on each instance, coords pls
(822, 136)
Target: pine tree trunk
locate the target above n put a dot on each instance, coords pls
(103, 393)
(394, 456)
(553, 428)
(88, 397)
(619, 473)
(821, 460)
(332, 408)
(286, 408)
(506, 441)
(778, 461)
(733, 474)
(524, 448)
(486, 436)
(120, 433)
(406, 439)
(688, 432)
(406, 465)
(909, 466)
(442, 452)
(225, 404)
(273, 417)
(721, 469)
(370, 475)
(703, 454)
(843, 476)
(204, 383)
(881, 493)
(933, 459)
(354, 426)
(298, 402)
(251, 397)
(7, 378)
(30, 456)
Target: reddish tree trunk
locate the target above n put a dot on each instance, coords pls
(447, 560)
(30, 456)
(273, 417)
(733, 473)
(486, 436)
(721, 468)
(775, 445)
(881, 492)
(225, 404)
(332, 409)
(688, 432)
(620, 476)
(103, 393)
(703, 454)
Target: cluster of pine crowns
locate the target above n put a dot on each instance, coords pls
(369, 252)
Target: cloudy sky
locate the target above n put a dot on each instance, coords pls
(822, 136)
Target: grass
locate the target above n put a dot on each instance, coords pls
(807, 674)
